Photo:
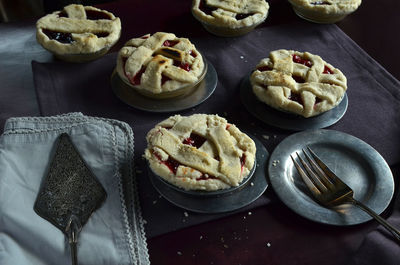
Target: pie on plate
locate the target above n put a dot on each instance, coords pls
(161, 65)
(200, 152)
(324, 11)
(78, 33)
(230, 17)
(298, 82)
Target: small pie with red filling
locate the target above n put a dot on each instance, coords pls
(78, 30)
(225, 17)
(200, 152)
(324, 11)
(297, 82)
(161, 64)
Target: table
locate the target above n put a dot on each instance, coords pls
(266, 235)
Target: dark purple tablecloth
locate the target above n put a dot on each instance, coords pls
(372, 115)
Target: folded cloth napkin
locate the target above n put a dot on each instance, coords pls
(113, 235)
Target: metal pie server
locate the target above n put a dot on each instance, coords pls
(69, 193)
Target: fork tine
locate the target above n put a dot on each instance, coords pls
(305, 177)
(318, 170)
(312, 175)
(331, 176)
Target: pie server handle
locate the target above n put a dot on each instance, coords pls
(73, 228)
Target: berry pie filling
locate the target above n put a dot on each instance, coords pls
(207, 9)
(319, 3)
(221, 159)
(264, 68)
(161, 58)
(194, 140)
(327, 70)
(317, 88)
(70, 32)
(298, 59)
(58, 36)
(96, 15)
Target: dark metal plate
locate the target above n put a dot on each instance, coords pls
(203, 91)
(226, 202)
(285, 120)
(358, 164)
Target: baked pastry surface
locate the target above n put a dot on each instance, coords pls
(230, 13)
(160, 63)
(324, 11)
(78, 29)
(200, 152)
(298, 82)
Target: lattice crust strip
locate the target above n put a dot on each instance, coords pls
(78, 29)
(202, 152)
(298, 82)
(160, 62)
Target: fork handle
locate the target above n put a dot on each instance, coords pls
(378, 218)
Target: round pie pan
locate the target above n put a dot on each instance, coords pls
(219, 201)
(189, 100)
(286, 120)
(81, 57)
(216, 193)
(186, 89)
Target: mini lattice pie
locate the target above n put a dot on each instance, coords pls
(225, 17)
(296, 82)
(324, 11)
(78, 30)
(200, 152)
(160, 64)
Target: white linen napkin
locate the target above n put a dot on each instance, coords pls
(113, 235)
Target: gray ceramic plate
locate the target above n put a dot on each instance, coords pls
(358, 164)
(134, 99)
(253, 188)
(285, 120)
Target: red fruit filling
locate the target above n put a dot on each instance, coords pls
(298, 59)
(193, 54)
(135, 80)
(194, 140)
(327, 70)
(184, 66)
(205, 177)
(242, 162)
(206, 8)
(171, 163)
(318, 3)
(242, 16)
(102, 34)
(58, 36)
(145, 37)
(296, 97)
(62, 14)
(170, 43)
(96, 15)
(164, 79)
(264, 68)
(317, 100)
(227, 126)
(298, 79)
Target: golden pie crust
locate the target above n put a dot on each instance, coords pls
(230, 13)
(298, 82)
(200, 152)
(160, 63)
(78, 29)
(325, 11)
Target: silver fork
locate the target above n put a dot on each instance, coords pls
(329, 190)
